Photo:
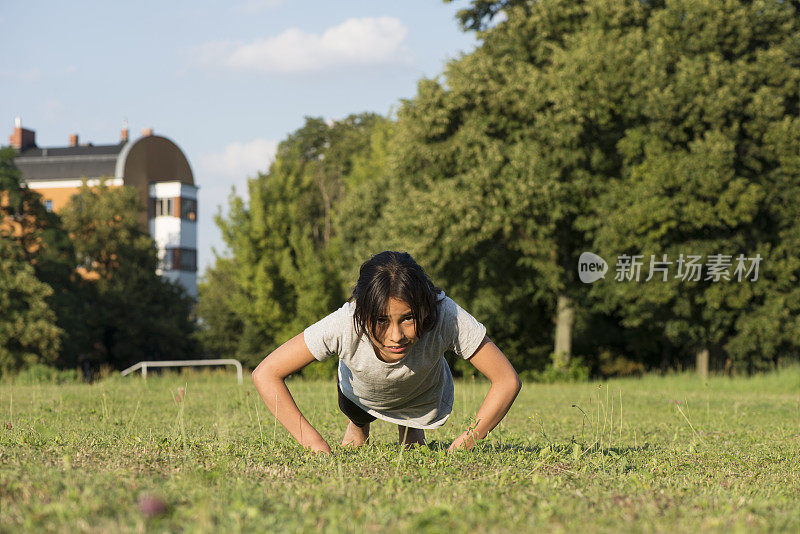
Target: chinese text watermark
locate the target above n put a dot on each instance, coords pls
(687, 268)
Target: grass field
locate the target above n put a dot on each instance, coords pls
(653, 454)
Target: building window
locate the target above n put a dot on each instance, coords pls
(187, 260)
(162, 207)
(179, 259)
(188, 209)
(166, 207)
(48, 205)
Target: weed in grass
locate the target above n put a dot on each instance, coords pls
(538, 421)
(258, 418)
(400, 448)
(275, 424)
(179, 420)
(132, 420)
(620, 416)
(698, 436)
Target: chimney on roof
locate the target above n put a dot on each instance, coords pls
(124, 135)
(73, 140)
(21, 138)
(146, 132)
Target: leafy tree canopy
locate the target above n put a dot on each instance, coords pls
(133, 313)
(283, 272)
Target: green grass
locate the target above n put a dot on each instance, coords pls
(655, 454)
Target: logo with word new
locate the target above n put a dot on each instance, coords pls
(689, 267)
(591, 267)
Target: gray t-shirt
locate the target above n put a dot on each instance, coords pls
(416, 391)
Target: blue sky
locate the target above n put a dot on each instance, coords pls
(225, 80)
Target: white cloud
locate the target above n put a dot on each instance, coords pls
(215, 173)
(236, 162)
(357, 41)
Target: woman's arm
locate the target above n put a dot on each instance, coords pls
(493, 364)
(269, 380)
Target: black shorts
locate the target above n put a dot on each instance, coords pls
(359, 417)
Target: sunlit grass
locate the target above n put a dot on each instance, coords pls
(660, 453)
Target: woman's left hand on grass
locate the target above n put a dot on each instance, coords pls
(465, 441)
(492, 364)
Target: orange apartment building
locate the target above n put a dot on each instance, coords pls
(154, 165)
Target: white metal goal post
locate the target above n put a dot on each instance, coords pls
(183, 363)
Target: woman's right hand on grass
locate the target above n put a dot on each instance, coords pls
(269, 379)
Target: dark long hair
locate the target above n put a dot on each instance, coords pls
(393, 275)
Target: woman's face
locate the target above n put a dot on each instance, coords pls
(397, 331)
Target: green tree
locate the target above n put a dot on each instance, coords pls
(481, 13)
(499, 163)
(45, 246)
(711, 167)
(639, 127)
(283, 266)
(366, 195)
(28, 330)
(219, 327)
(132, 313)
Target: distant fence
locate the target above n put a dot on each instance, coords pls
(183, 363)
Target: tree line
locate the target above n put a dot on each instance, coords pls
(661, 136)
(649, 130)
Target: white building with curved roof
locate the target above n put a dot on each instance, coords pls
(152, 164)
